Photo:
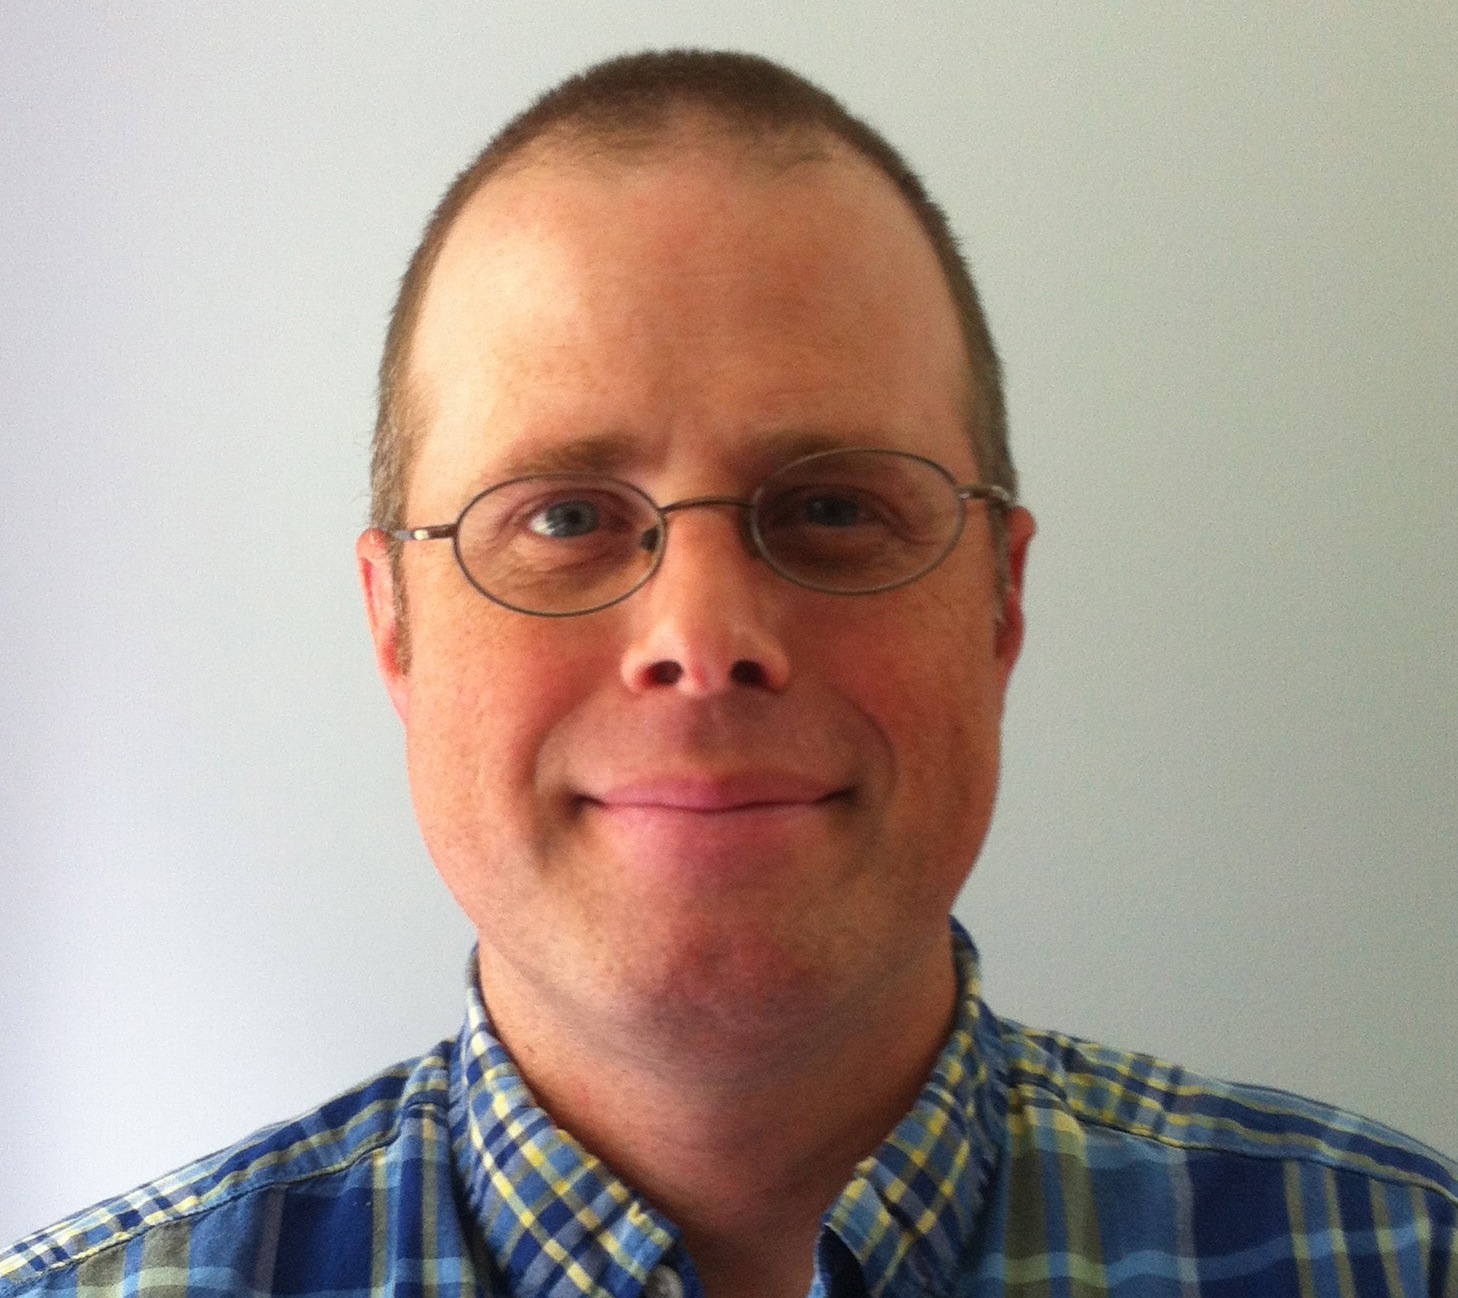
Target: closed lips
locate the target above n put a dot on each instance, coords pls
(744, 792)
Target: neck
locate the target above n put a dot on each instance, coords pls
(743, 1143)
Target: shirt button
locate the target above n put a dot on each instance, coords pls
(663, 1282)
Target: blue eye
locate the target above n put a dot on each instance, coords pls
(833, 511)
(566, 519)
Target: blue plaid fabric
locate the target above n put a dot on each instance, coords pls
(1031, 1164)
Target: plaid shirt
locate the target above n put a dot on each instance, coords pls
(1030, 1164)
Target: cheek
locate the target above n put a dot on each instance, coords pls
(487, 689)
(929, 681)
(947, 743)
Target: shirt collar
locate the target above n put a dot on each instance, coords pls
(558, 1222)
(909, 1212)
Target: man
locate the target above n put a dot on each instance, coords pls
(696, 582)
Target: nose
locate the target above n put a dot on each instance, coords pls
(707, 621)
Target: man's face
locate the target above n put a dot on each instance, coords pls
(727, 806)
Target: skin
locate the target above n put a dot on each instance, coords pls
(709, 837)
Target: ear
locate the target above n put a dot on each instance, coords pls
(386, 613)
(1019, 528)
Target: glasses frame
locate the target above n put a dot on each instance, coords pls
(1000, 499)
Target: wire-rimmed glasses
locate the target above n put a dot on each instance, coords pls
(845, 522)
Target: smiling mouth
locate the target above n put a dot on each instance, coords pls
(736, 796)
(703, 833)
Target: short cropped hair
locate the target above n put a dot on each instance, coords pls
(631, 102)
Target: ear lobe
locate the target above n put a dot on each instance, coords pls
(386, 613)
(1019, 527)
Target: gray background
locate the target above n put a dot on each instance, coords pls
(1219, 253)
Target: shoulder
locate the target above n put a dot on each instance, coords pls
(1114, 1095)
(227, 1210)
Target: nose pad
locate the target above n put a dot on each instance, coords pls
(705, 622)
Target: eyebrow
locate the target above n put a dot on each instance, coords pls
(614, 454)
(603, 453)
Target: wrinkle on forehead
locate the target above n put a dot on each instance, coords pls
(727, 159)
(745, 154)
(545, 257)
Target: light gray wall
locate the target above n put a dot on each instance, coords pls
(1219, 253)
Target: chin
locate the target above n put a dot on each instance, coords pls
(713, 984)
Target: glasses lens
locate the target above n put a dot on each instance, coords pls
(559, 544)
(857, 521)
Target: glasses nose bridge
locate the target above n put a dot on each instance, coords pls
(705, 502)
(711, 502)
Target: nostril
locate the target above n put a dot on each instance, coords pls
(745, 672)
(665, 673)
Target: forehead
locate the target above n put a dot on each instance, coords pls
(711, 293)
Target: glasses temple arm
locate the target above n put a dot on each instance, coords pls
(993, 495)
(439, 532)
